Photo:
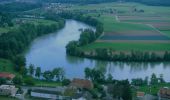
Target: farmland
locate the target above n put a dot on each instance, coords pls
(130, 26)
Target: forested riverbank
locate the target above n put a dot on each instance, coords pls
(14, 42)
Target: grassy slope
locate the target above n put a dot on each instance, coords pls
(6, 66)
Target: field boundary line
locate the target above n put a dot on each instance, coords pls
(157, 30)
(117, 18)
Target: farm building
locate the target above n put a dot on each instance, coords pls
(47, 94)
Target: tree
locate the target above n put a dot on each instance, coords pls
(17, 80)
(154, 79)
(2, 81)
(19, 62)
(66, 82)
(110, 78)
(161, 78)
(38, 72)
(23, 71)
(127, 93)
(146, 81)
(87, 72)
(31, 69)
(29, 81)
(48, 75)
(59, 73)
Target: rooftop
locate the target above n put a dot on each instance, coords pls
(82, 83)
(6, 75)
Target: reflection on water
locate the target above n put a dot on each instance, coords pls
(48, 52)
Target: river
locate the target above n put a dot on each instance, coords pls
(48, 52)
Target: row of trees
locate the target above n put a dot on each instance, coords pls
(107, 54)
(29, 75)
(153, 80)
(137, 56)
(57, 74)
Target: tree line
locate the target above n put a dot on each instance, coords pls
(137, 56)
(148, 2)
(153, 80)
(18, 6)
(33, 73)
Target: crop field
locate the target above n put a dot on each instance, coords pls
(131, 26)
(127, 26)
(161, 23)
(126, 46)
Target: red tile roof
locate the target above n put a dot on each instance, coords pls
(82, 83)
(6, 75)
(140, 94)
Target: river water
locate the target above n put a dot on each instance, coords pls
(48, 52)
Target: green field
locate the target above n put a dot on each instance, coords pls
(167, 32)
(109, 13)
(153, 89)
(46, 83)
(7, 98)
(128, 46)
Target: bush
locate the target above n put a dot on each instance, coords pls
(66, 82)
(29, 81)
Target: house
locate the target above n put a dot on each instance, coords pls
(164, 92)
(81, 83)
(7, 75)
(8, 90)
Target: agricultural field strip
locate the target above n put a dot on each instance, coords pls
(157, 30)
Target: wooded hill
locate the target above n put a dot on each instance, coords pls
(148, 2)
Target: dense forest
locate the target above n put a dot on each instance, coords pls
(149, 2)
(18, 6)
(5, 20)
